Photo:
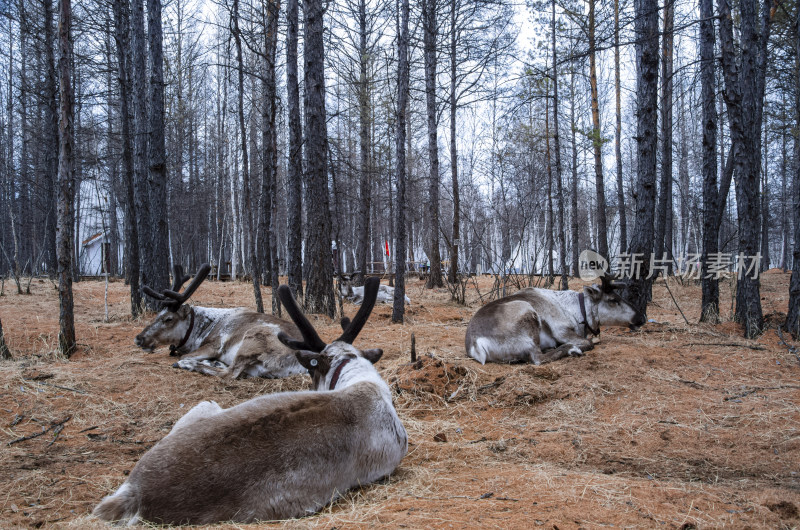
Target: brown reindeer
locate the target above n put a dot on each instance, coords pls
(275, 456)
(231, 343)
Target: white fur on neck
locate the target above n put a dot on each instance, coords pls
(358, 370)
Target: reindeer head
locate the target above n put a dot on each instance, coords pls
(173, 323)
(612, 309)
(324, 362)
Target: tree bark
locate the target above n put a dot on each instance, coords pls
(294, 186)
(399, 307)
(562, 239)
(744, 97)
(157, 152)
(122, 41)
(574, 182)
(665, 194)
(793, 314)
(319, 293)
(364, 112)
(429, 30)
(646, 29)
(51, 133)
(141, 191)
(5, 353)
(597, 139)
(709, 309)
(455, 243)
(66, 182)
(623, 221)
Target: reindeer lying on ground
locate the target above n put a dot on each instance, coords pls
(230, 343)
(276, 456)
(520, 326)
(356, 294)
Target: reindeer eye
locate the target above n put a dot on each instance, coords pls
(313, 362)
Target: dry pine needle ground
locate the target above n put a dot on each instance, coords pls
(675, 426)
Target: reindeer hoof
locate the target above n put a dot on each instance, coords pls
(575, 352)
(176, 365)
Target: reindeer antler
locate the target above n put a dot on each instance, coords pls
(177, 298)
(609, 284)
(311, 340)
(354, 328)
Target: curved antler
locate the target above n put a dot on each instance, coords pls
(609, 284)
(370, 295)
(177, 298)
(311, 340)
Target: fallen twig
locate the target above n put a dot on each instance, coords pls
(59, 425)
(666, 283)
(61, 387)
(734, 344)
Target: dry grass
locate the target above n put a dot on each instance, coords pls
(678, 425)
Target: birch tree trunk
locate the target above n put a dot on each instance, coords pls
(562, 243)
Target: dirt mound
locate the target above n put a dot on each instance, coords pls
(429, 375)
(524, 386)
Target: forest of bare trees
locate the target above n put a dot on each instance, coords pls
(308, 139)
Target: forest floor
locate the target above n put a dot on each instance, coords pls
(674, 426)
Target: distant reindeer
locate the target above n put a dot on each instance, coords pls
(230, 343)
(275, 456)
(356, 294)
(520, 326)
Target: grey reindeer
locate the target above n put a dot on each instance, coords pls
(230, 343)
(276, 456)
(518, 327)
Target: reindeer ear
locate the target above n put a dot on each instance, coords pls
(373, 355)
(309, 359)
(594, 291)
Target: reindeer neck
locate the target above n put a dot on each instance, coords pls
(347, 371)
(589, 316)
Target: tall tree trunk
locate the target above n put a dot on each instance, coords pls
(319, 293)
(455, 243)
(574, 181)
(66, 182)
(294, 186)
(51, 133)
(141, 192)
(429, 31)
(548, 227)
(157, 151)
(246, 195)
(121, 36)
(623, 221)
(399, 308)
(665, 195)
(765, 220)
(364, 114)
(646, 28)
(744, 97)
(597, 139)
(793, 314)
(269, 173)
(709, 309)
(562, 243)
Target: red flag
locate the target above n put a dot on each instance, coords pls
(387, 248)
